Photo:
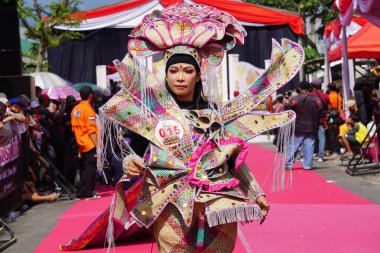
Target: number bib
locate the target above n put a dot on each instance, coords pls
(169, 132)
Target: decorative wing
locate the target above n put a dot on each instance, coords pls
(255, 123)
(286, 62)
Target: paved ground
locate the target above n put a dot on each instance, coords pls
(367, 186)
(35, 224)
(32, 227)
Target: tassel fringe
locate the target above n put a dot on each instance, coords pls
(245, 214)
(110, 137)
(285, 137)
(213, 93)
(146, 93)
(110, 231)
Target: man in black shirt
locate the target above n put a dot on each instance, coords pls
(308, 109)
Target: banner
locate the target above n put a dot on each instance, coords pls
(11, 169)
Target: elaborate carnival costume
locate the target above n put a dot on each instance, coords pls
(197, 186)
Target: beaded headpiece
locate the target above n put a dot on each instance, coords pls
(183, 50)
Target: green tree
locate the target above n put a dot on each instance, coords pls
(314, 9)
(311, 10)
(40, 22)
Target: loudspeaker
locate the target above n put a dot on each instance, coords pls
(14, 86)
(10, 62)
(10, 48)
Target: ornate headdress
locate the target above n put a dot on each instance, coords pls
(181, 28)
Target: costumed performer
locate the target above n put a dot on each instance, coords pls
(191, 186)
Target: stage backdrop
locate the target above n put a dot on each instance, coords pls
(76, 61)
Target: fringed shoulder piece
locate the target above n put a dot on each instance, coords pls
(286, 60)
(253, 124)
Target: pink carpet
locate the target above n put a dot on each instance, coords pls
(314, 216)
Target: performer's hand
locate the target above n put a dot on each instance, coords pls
(135, 168)
(264, 206)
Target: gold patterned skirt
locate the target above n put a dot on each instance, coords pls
(173, 235)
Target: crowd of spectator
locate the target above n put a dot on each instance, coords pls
(44, 128)
(324, 127)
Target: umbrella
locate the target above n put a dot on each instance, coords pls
(78, 86)
(69, 82)
(61, 92)
(47, 79)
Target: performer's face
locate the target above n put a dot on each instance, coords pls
(181, 78)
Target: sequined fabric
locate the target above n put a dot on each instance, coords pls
(190, 165)
(174, 236)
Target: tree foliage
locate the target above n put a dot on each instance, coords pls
(312, 10)
(40, 22)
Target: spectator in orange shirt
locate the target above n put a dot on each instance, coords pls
(335, 110)
(83, 122)
(336, 100)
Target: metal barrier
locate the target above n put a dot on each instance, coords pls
(69, 191)
(356, 165)
(7, 242)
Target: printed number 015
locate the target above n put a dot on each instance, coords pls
(169, 130)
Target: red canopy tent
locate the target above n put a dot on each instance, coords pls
(370, 10)
(332, 31)
(333, 34)
(364, 44)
